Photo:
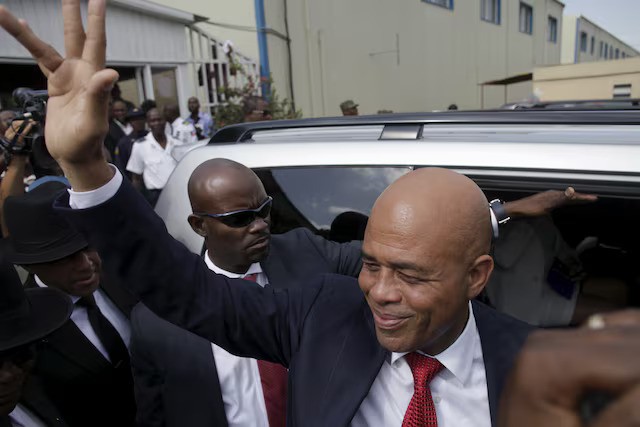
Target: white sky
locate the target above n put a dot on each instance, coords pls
(619, 17)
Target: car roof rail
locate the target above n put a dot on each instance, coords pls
(244, 131)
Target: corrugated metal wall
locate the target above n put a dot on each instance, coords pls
(132, 37)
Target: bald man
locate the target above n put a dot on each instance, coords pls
(354, 352)
(405, 347)
(201, 121)
(184, 379)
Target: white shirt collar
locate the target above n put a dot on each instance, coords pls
(171, 142)
(254, 268)
(42, 285)
(458, 357)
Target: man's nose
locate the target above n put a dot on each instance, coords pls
(258, 225)
(82, 259)
(384, 289)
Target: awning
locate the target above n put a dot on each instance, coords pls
(518, 78)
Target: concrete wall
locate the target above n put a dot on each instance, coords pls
(593, 80)
(347, 50)
(572, 47)
(156, 40)
(233, 12)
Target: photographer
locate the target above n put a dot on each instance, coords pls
(6, 116)
(16, 162)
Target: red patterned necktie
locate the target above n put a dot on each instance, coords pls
(421, 411)
(274, 385)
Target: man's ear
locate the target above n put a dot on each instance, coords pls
(478, 275)
(197, 224)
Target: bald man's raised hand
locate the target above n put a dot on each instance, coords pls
(79, 87)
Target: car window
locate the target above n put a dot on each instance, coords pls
(330, 201)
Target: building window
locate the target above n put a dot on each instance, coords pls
(624, 55)
(583, 41)
(552, 29)
(526, 18)
(490, 11)
(444, 3)
(593, 45)
(601, 52)
(606, 50)
(610, 52)
(622, 91)
(617, 53)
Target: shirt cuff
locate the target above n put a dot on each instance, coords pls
(89, 199)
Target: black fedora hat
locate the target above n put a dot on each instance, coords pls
(37, 233)
(28, 315)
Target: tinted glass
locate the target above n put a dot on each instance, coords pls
(313, 197)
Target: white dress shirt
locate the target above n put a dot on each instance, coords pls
(152, 161)
(459, 391)
(21, 416)
(80, 317)
(239, 376)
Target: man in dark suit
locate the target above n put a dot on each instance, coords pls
(118, 127)
(28, 316)
(138, 121)
(180, 379)
(84, 366)
(402, 345)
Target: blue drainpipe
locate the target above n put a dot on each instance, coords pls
(265, 71)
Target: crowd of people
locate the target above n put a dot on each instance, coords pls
(118, 324)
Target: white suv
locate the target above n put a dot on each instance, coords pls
(317, 169)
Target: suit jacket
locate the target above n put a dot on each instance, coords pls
(114, 135)
(176, 381)
(36, 400)
(323, 331)
(84, 386)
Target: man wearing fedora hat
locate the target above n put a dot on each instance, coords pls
(26, 317)
(84, 366)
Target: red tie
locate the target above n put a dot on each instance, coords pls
(421, 411)
(274, 385)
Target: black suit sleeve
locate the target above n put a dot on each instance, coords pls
(176, 284)
(344, 258)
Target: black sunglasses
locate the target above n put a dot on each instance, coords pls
(241, 218)
(19, 355)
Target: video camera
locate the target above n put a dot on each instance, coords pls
(32, 105)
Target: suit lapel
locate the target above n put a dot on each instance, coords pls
(71, 342)
(275, 269)
(498, 352)
(34, 398)
(354, 371)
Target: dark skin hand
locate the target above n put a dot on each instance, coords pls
(544, 203)
(556, 368)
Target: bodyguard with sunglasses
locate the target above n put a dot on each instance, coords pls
(182, 379)
(25, 318)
